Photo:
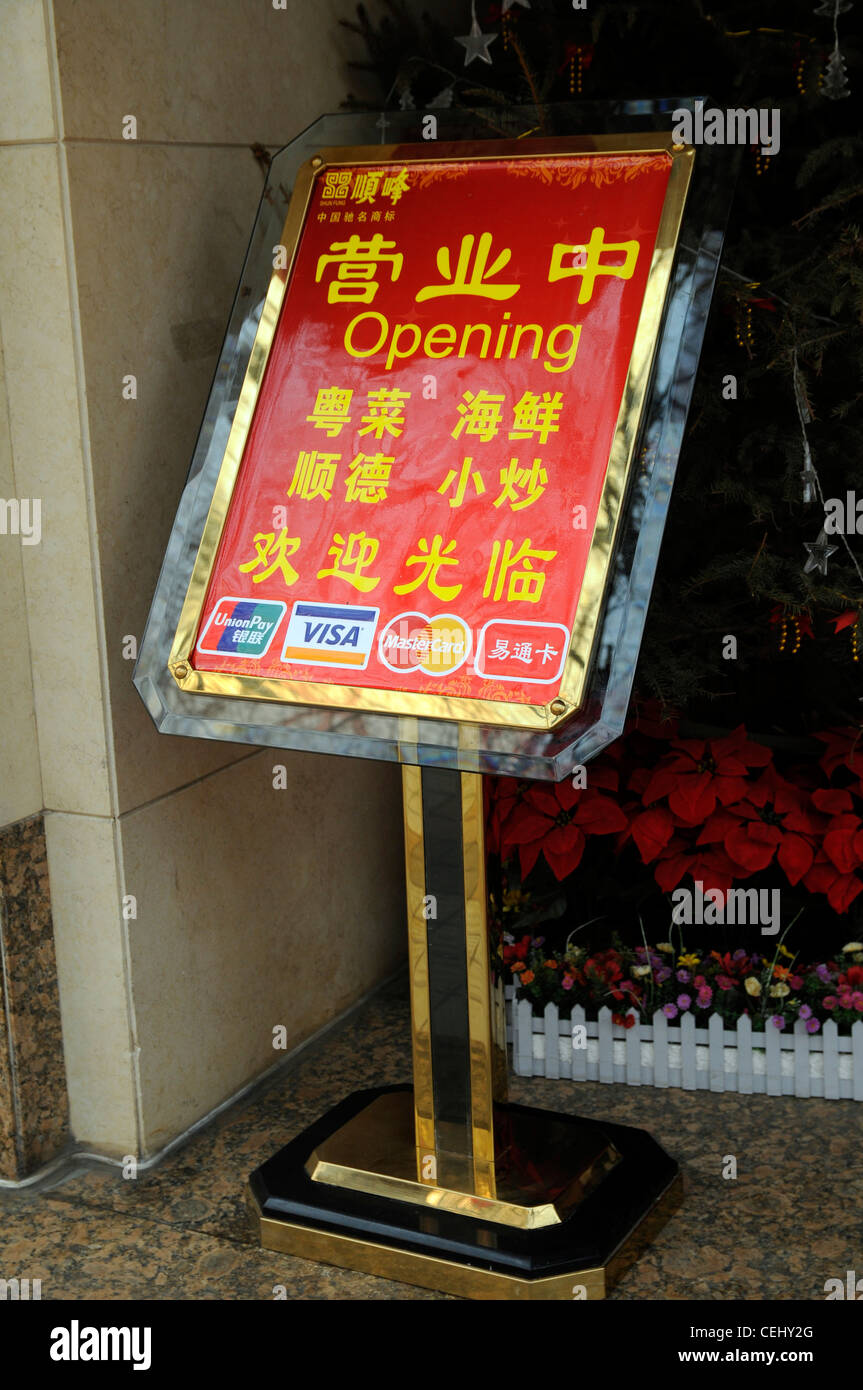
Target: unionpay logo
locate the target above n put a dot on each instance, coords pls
(329, 634)
(436, 646)
(241, 627)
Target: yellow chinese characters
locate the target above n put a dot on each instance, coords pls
(358, 262)
(472, 272)
(364, 185)
(480, 413)
(535, 415)
(330, 411)
(586, 262)
(515, 480)
(432, 559)
(272, 557)
(368, 478)
(314, 475)
(385, 413)
(351, 557)
(521, 585)
(461, 483)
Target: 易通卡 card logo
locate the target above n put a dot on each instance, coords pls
(241, 627)
(330, 634)
(436, 646)
(513, 650)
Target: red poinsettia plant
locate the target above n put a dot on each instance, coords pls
(717, 810)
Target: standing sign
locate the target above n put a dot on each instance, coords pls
(418, 500)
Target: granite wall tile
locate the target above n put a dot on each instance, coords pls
(34, 1110)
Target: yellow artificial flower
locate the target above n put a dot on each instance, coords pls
(689, 960)
(639, 970)
(778, 991)
(784, 951)
(666, 947)
(513, 899)
(853, 946)
(752, 985)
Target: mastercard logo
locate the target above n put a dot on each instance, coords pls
(414, 642)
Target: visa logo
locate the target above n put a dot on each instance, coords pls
(329, 634)
(333, 634)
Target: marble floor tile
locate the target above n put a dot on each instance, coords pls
(789, 1221)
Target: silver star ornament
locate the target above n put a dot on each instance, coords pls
(476, 43)
(819, 553)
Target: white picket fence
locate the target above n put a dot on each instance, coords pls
(792, 1063)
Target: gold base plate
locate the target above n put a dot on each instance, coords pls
(460, 1280)
(376, 1152)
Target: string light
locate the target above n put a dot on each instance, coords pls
(576, 70)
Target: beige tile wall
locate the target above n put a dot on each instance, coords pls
(160, 232)
(291, 908)
(252, 907)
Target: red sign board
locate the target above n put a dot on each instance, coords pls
(422, 476)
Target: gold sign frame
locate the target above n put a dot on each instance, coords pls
(542, 717)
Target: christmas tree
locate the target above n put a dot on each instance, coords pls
(774, 426)
(761, 544)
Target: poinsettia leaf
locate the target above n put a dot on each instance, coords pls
(601, 775)
(600, 815)
(717, 826)
(639, 780)
(820, 877)
(564, 839)
(713, 872)
(662, 781)
(750, 852)
(527, 857)
(843, 892)
(729, 789)
(651, 832)
(841, 850)
(669, 872)
(729, 743)
(525, 826)
(693, 798)
(562, 865)
(543, 800)
(833, 800)
(795, 856)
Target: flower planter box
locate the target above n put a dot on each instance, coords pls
(713, 1059)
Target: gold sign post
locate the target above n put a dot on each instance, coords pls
(477, 1197)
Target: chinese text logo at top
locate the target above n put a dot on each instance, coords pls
(364, 187)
